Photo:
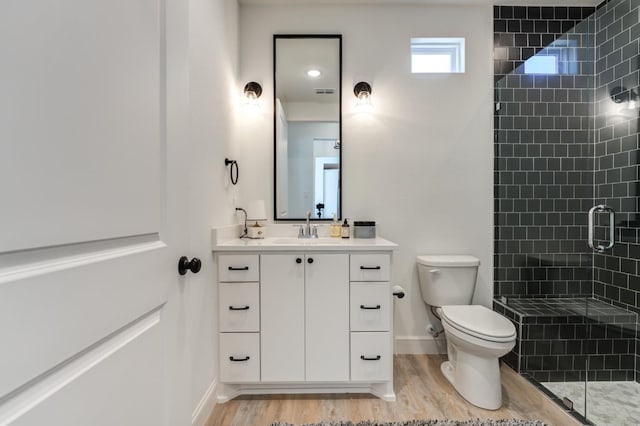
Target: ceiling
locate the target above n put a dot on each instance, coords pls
(429, 2)
(295, 57)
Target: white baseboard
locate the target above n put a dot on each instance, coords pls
(205, 406)
(383, 390)
(420, 345)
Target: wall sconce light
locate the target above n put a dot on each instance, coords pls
(362, 90)
(621, 94)
(252, 92)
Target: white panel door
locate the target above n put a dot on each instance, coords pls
(92, 104)
(327, 317)
(282, 317)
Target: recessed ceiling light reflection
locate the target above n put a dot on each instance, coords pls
(313, 73)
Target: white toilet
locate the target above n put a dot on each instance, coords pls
(476, 335)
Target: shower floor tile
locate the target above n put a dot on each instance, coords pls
(609, 403)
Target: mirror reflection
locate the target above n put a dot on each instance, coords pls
(307, 125)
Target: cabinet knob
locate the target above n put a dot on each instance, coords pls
(310, 260)
(298, 260)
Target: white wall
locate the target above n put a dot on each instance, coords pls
(311, 111)
(420, 164)
(213, 58)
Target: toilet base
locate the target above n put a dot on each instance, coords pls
(447, 371)
(476, 379)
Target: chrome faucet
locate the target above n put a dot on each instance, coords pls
(306, 231)
(307, 228)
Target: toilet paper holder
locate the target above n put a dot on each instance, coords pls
(398, 291)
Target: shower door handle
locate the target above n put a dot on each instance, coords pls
(601, 208)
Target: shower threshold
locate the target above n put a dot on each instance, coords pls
(608, 403)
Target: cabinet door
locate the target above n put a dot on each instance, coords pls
(327, 317)
(282, 317)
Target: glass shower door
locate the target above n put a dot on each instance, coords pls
(567, 189)
(545, 166)
(613, 391)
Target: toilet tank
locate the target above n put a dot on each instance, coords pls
(447, 279)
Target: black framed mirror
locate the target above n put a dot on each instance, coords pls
(307, 75)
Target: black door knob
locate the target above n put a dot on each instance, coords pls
(193, 265)
(298, 260)
(310, 260)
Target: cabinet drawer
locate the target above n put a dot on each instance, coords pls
(239, 357)
(238, 267)
(370, 306)
(370, 267)
(371, 356)
(239, 305)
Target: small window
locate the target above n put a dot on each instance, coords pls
(560, 57)
(541, 65)
(437, 55)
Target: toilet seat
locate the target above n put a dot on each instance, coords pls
(479, 321)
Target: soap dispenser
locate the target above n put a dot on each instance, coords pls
(334, 228)
(345, 232)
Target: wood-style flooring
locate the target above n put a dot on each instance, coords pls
(422, 392)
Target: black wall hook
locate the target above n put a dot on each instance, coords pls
(233, 171)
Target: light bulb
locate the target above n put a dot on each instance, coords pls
(364, 98)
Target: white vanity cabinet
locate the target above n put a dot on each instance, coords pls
(304, 317)
(308, 319)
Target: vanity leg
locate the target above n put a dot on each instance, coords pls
(384, 391)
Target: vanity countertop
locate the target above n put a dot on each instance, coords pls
(310, 244)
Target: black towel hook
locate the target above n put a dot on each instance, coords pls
(232, 175)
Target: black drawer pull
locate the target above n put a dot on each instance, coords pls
(375, 268)
(243, 268)
(233, 308)
(369, 307)
(366, 358)
(246, 358)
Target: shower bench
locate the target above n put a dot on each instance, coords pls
(571, 339)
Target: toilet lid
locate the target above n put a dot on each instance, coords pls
(448, 260)
(479, 321)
